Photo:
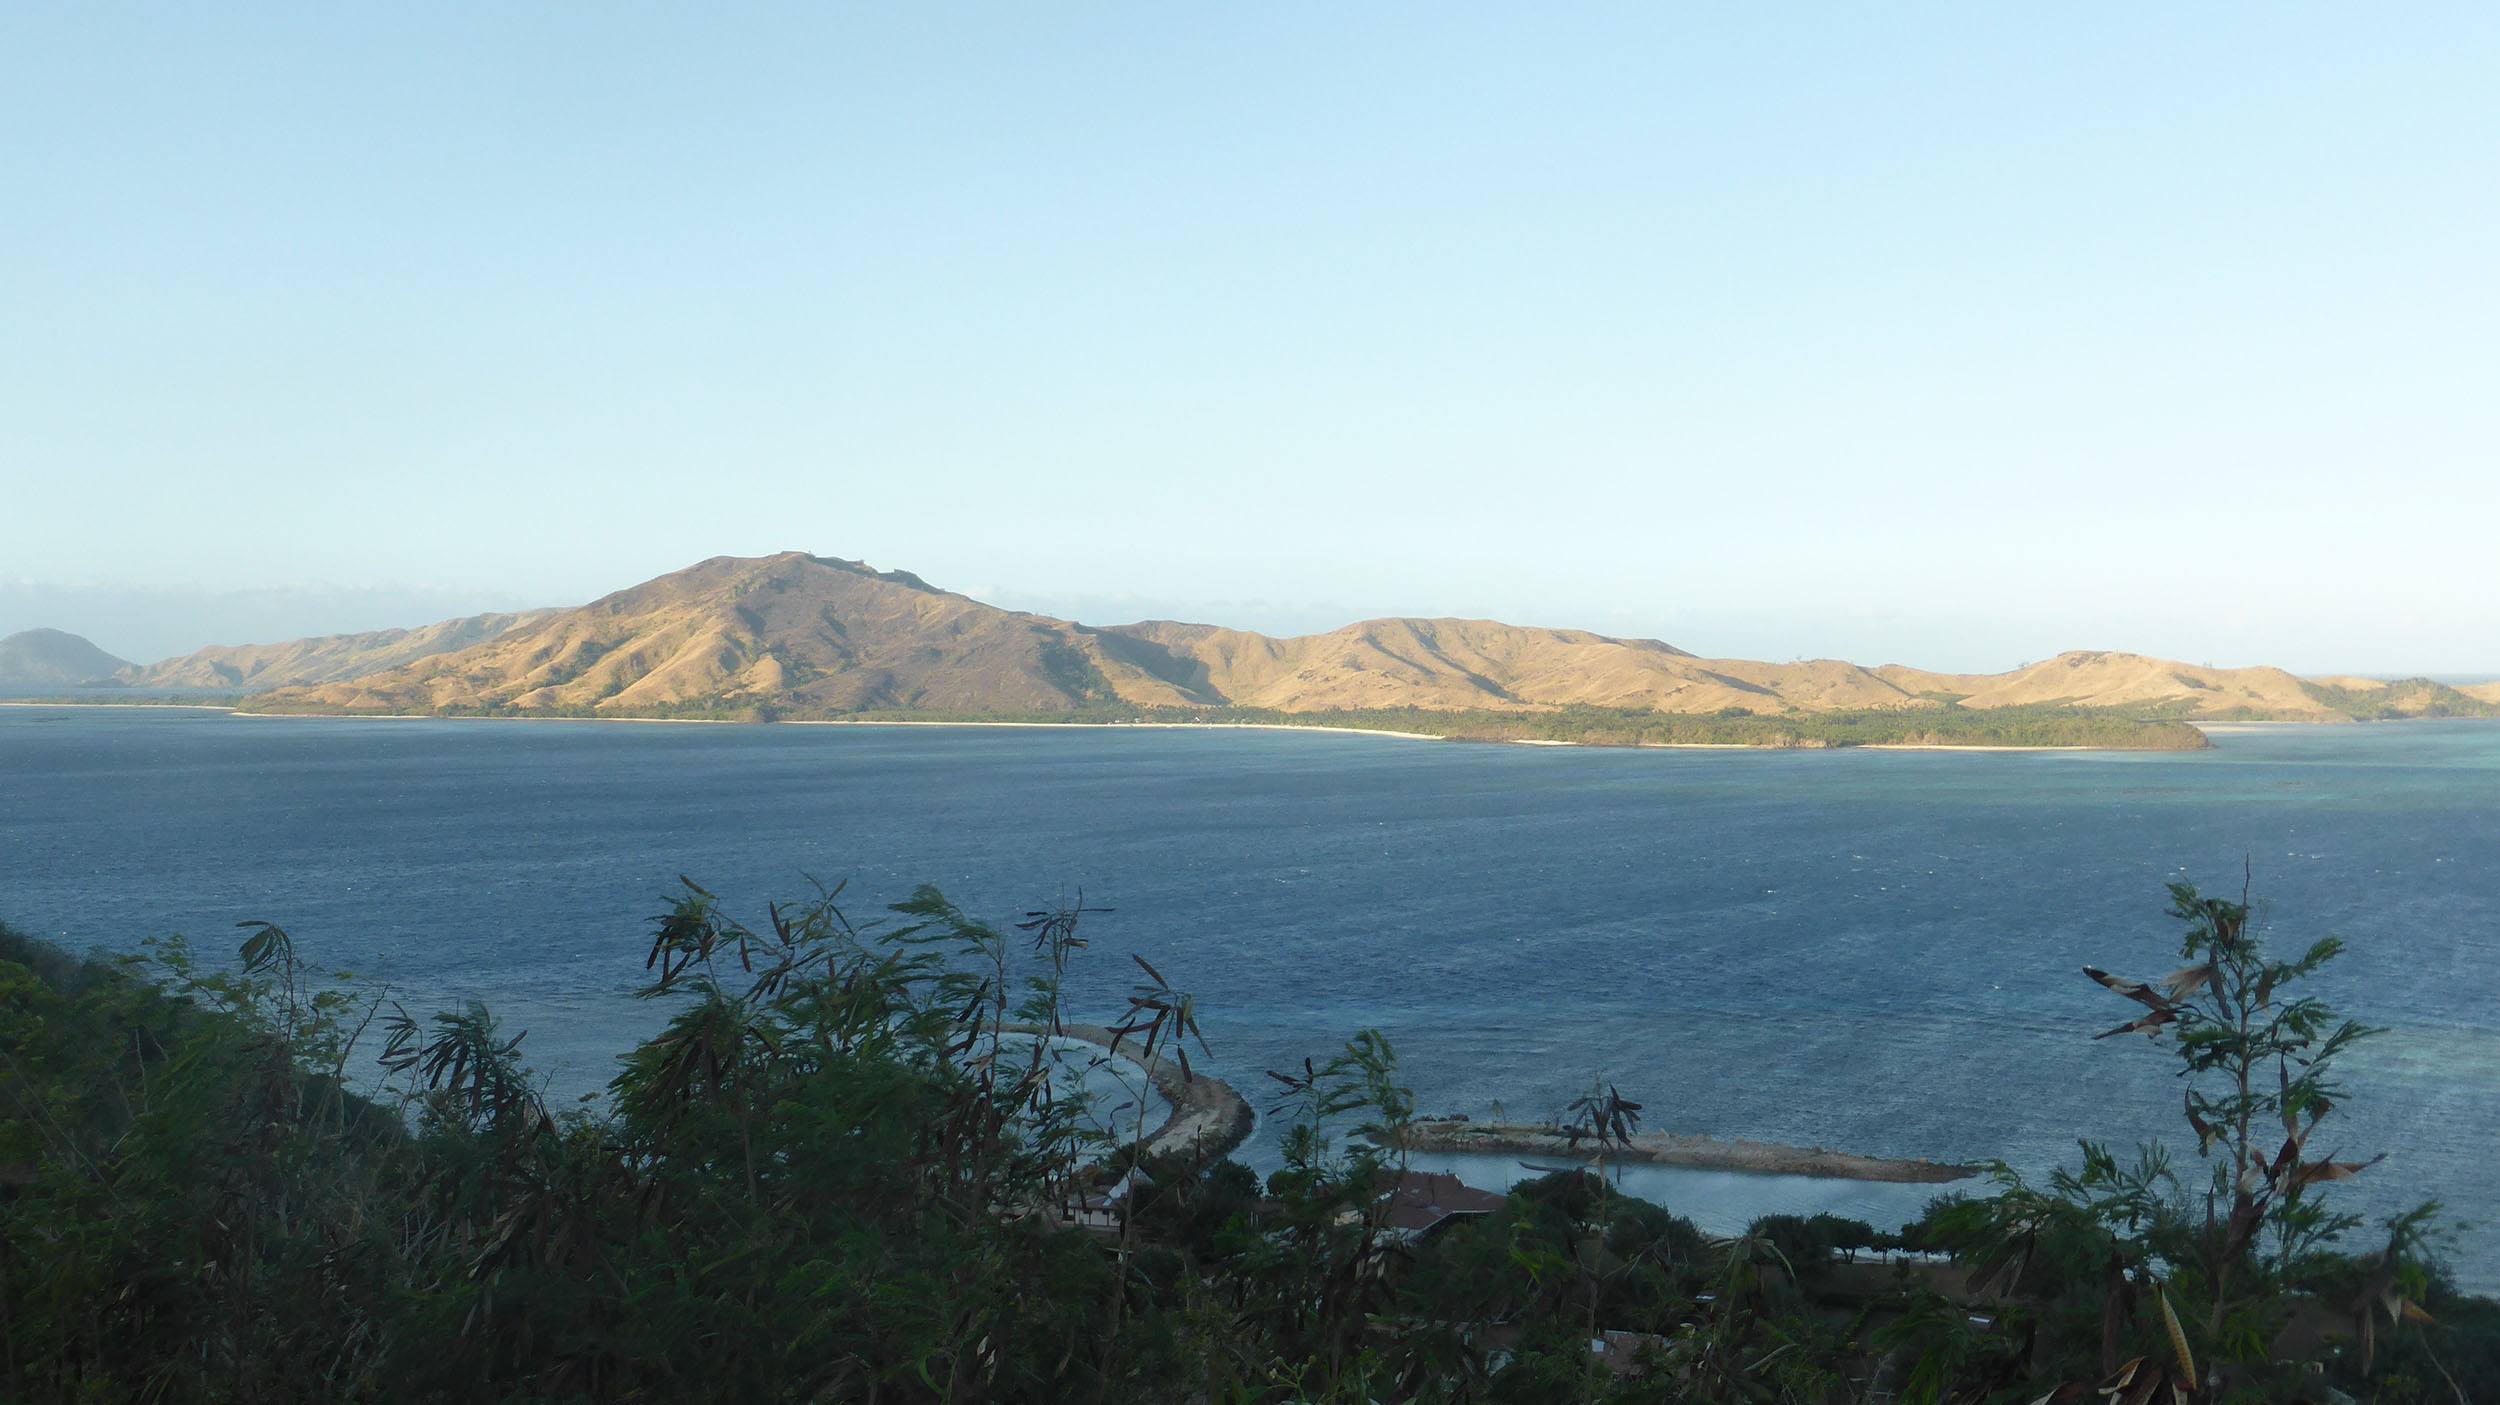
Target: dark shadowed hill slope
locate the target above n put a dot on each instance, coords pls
(41, 659)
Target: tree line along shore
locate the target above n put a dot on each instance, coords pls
(1938, 727)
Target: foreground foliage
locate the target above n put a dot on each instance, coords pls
(840, 1173)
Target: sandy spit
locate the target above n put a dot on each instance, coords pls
(1945, 746)
(1682, 1149)
(432, 717)
(1112, 726)
(1208, 1117)
(178, 707)
(2214, 729)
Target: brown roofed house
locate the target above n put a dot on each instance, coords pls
(1423, 1203)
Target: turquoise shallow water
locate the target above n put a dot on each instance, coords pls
(1868, 950)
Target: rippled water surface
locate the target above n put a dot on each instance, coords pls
(1874, 951)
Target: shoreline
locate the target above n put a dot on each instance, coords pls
(1207, 1118)
(811, 722)
(1132, 726)
(2209, 730)
(180, 707)
(438, 717)
(1861, 746)
(1995, 746)
(233, 711)
(1686, 1150)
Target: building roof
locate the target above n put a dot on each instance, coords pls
(1421, 1202)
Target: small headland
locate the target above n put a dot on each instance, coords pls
(1208, 1117)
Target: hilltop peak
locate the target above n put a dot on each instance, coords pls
(39, 659)
(782, 565)
(790, 630)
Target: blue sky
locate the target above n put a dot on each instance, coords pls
(1953, 335)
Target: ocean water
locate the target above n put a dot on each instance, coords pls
(1872, 951)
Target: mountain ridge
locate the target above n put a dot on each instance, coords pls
(325, 658)
(799, 634)
(809, 631)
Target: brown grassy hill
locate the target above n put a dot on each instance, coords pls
(1922, 683)
(792, 630)
(1483, 664)
(329, 658)
(1816, 685)
(2093, 678)
(796, 634)
(38, 659)
(810, 635)
(2483, 692)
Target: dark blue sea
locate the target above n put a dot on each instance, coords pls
(1871, 951)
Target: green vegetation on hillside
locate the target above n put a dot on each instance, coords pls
(2410, 697)
(2108, 728)
(1921, 726)
(692, 710)
(2149, 727)
(1598, 726)
(838, 1174)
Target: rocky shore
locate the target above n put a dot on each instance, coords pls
(1208, 1117)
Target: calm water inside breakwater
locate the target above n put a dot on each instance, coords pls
(1874, 951)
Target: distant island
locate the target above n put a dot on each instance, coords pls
(46, 659)
(798, 637)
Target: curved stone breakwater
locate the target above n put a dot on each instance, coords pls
(1681, 1149)
(1208, 1117)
